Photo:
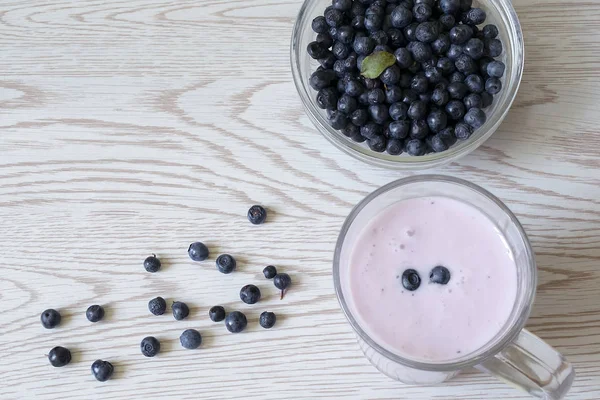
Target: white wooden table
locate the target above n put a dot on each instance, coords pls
(130, 127)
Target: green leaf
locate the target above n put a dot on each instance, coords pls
(373, 65)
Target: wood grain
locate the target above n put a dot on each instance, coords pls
(135, 126)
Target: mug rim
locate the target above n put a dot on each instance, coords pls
(468, 361)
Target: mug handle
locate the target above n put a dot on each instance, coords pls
(532, 365)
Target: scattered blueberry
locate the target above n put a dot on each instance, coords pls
(267, 319)
(180, 310)
(198, 251)
(250, 294)
(235, 322)
(94, 313)
(102, 370)
(50, 318)
(59, 356)
(190, 339)
(150, 346)
(157, 306)
(282, 282)
(269, 272)
(226, 263)
(411, 280)
(216, 313)
(439, 275)
(152, 263)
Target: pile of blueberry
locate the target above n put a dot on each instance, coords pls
(235, 321)
(411, 279)
(436, 71)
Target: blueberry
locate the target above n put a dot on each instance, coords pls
(473, 101)
(419, 84)
(462, 131)
(401, 17)
(379, 113)
(216, 313)
(417, 110)
(391, 75)
(321, 79)
(334, 17)
(493, 47)
(437, 120)
(393, 94)
(376, 96)
(486, 99)
(450, 6)
(267, 319)
(373, 22)
(150, 346)
(333, 32)
(425, 97)
(399, 129)
(180, 310)
(347, 104)
(328, 62)
(340, 50)
(454, 52)
(422, 12)
(496, 69)
(411, 280)
(157, 306)
(250, 294)
(198, 251)
(440, 97)
(50, 318)
(410, 32)
(282, 282)
(269, 272)
(345, 34)
(377, 144)
(398, 111)
(421, 52)
(190, 339)
(433, 74)
(460, 34)
(415, 147)
(490, 31)
(403, 57)
(380, 37)
(493, 85)
(342, 5)
(396, 38)
(475, 83)
(409, 96)
(316, 50)
(475, 117)
(438, 144)
(59, 356)
(319, 24)
(455, 109)
(447, 22)
(337, 119)
(327, 99)
(457, 77)
(419, 129)
(257, 215)
(439, 275)
(427, 32)
(94, 313)
(152, 263)
(371, 130)
(350, 64)
(102, 370)
(372, 83)
(358, 22)
(363, 45)
(376, 9)
(226, 263)
(394, 147)
(465, 5)
(358, 138)
(476, 16)
(445, 65)
(474, 48)
(359, 117)
(350, 130)
(235, 322)
(325, 39)
(465, 64)
(441, 45)
(447, 135)
(357, 9)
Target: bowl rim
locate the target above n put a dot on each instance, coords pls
(363, 153)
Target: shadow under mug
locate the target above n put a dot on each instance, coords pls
(515, 355)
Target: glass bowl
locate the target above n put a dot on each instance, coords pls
(499, 12)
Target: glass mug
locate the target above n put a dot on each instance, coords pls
(515, 355)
